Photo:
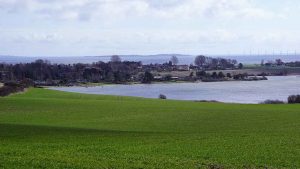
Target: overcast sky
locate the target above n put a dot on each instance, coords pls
(105, 27)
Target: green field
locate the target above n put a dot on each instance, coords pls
(49, 129)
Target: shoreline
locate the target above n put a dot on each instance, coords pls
(195, 101)
(200, 91)
(260, 78)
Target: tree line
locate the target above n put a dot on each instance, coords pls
(115, 71)
(215, 63)
(41, 70)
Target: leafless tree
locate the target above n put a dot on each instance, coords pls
(200, 60)
(174, 60)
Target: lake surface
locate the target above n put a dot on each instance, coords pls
(277, 87)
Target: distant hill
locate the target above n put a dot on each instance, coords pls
(146, 59)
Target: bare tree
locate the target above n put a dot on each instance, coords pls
(234, 62)
(223, 63)
(174, 60)
(279, 62)
(200, 60)
(214, 63)
(115, 58)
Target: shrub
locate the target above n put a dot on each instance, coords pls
(168, 77)
(12, 84)
(228, 75)
(262, 74)
(14, 87)
(200, 73)
(5, 91)
(148, 77)
(27, 83)
(221, 75)
(161, 96)
(294, 99)
(272, 102)
(209, 101)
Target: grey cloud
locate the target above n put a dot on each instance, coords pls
(85, 10)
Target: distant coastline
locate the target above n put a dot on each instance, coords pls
(146, 59)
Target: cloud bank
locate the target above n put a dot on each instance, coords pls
(91, 27)
(100, 9)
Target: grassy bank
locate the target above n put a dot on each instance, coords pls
(50, 129)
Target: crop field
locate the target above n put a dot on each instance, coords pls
(42, 128)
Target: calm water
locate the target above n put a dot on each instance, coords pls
(237, 91)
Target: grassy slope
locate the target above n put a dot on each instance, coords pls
(44, 128)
